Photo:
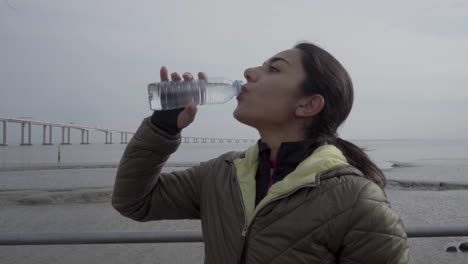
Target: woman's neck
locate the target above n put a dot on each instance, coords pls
(274, 139)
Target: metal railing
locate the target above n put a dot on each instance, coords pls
(26, 133)
(16, 239)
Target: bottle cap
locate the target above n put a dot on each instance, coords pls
(238, 84)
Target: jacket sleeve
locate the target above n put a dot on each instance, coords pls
(375, 233)
(142, 192)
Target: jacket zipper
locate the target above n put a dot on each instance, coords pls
(245, 227)
(245, 231)
(272, 172)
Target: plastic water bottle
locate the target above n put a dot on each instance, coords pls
(177, 94)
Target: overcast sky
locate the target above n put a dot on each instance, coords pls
(90, 61)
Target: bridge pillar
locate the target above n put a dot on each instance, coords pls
(65, 131)
(109, 137)
(4, 137)
(50, 134)
(44, 135)
(123, 138)
(84, 137)
(23, 143)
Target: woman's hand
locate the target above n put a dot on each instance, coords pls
(187, 116)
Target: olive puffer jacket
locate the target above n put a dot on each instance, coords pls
(325, 211)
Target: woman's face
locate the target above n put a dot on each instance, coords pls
(271, 94)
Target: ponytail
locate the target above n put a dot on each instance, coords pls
(358, 158)
(327, 77)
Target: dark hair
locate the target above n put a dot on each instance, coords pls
(327, 77)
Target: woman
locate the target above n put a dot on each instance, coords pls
(301, 195)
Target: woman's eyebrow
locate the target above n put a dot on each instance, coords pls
(274, 59)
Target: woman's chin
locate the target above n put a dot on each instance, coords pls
(243, 117)
(237, 114)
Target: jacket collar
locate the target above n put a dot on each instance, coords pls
(290, 154)
(323, 160)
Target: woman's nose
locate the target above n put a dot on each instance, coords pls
(250, 75)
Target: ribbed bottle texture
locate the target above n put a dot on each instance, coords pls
(177, 94)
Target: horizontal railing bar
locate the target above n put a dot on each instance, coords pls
(10, 239)
(437, 231)
(64, 166)
(14, 239)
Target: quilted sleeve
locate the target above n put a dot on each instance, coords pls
(375, 233)
(142, 192)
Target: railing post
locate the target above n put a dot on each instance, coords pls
(87, 136)
(4, 141)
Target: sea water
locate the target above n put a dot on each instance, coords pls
(78, 200)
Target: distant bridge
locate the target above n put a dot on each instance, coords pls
(26, 133)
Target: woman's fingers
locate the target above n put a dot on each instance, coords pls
(187, 76)
(202, 76)
(164, 74)
(175, 76)
(187, 116)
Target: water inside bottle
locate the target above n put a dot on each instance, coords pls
(178, 94)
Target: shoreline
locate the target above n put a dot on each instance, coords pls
(86, 195)
(393, 184)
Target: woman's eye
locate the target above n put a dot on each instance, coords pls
(273, 69)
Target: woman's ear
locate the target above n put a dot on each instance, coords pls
(309, 106)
